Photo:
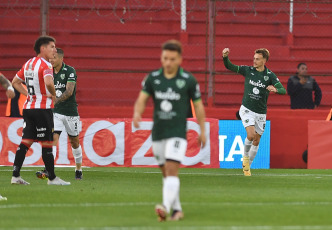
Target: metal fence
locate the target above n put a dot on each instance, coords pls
(116, 42)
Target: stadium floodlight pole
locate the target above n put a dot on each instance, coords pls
(183, 15)
(291, 15)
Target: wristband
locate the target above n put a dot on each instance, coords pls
(10, 88)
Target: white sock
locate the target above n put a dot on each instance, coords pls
(77, 153)
(252, 153)
(170, 190)
(247, 146)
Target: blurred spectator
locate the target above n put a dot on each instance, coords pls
(300, 88)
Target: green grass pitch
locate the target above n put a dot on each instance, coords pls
(124, 198)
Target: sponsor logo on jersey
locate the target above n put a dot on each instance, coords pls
(266, 78)
(166, 106)
(255, 90)
(180, 83)
(168, 95)
(62, 76)
(258, 84)
(41, 129)
(71, 75)
(58, 93)
(157, 81)
(59, 85)
(185, 75)
(155, 73)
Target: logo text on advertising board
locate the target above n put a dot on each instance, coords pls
(231, 145)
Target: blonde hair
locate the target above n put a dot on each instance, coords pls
(264, 52)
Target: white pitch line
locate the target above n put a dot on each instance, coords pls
(264, 227)
(74, 205)
(202, 173)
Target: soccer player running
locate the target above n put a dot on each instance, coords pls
(259, 82)
(65, 110)
(37, 73)
(171, 89)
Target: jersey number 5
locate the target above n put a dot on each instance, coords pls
(31, 89)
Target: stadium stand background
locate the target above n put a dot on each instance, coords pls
(113, 44)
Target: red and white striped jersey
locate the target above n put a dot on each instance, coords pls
(33, 73)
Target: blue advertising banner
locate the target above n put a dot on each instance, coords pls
(231, 144)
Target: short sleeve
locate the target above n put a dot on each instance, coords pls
(194, 90)
(147, 86)
(20, 74)
(72, 77)
(48, 71)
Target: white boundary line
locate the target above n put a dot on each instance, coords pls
(202, 173)
(265, 227)
(74, 205)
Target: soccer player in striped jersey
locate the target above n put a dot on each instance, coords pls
(259, 82)
(38, 125)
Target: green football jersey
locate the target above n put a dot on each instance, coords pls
(171, 99)
(69, 106)
(255, 93)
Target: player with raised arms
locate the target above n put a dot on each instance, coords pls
(171, 89)
(37, 73)
(259, 82)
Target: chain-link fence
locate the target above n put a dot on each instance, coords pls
(114, 43)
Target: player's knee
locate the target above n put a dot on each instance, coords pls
(27, 143)
(75, 143)
(250, 137)
(77, 153)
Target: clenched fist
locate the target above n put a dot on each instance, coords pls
(225, 52)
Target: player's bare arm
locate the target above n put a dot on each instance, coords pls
(139, 108)
(50, 85)
(18, 85)
(6, 85)
(70, 86)
(200, 114)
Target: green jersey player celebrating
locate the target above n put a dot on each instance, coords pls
(259, 82)
(65, 109)
(171, 89)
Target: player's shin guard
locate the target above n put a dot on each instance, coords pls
(252, 153)
(247, 146)
(77, 153)
(19, 159)
(170, 190)
(48, 159)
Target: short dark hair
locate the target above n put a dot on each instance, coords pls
(42, 40)
(60, 52)
(172, 45)
(300, 64)
(264, 52)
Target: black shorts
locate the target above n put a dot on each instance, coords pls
(38, 124)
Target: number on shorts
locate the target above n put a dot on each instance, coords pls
(177, 144)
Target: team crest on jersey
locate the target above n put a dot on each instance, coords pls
(62, 76)
(180, 83)
(266, 78)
